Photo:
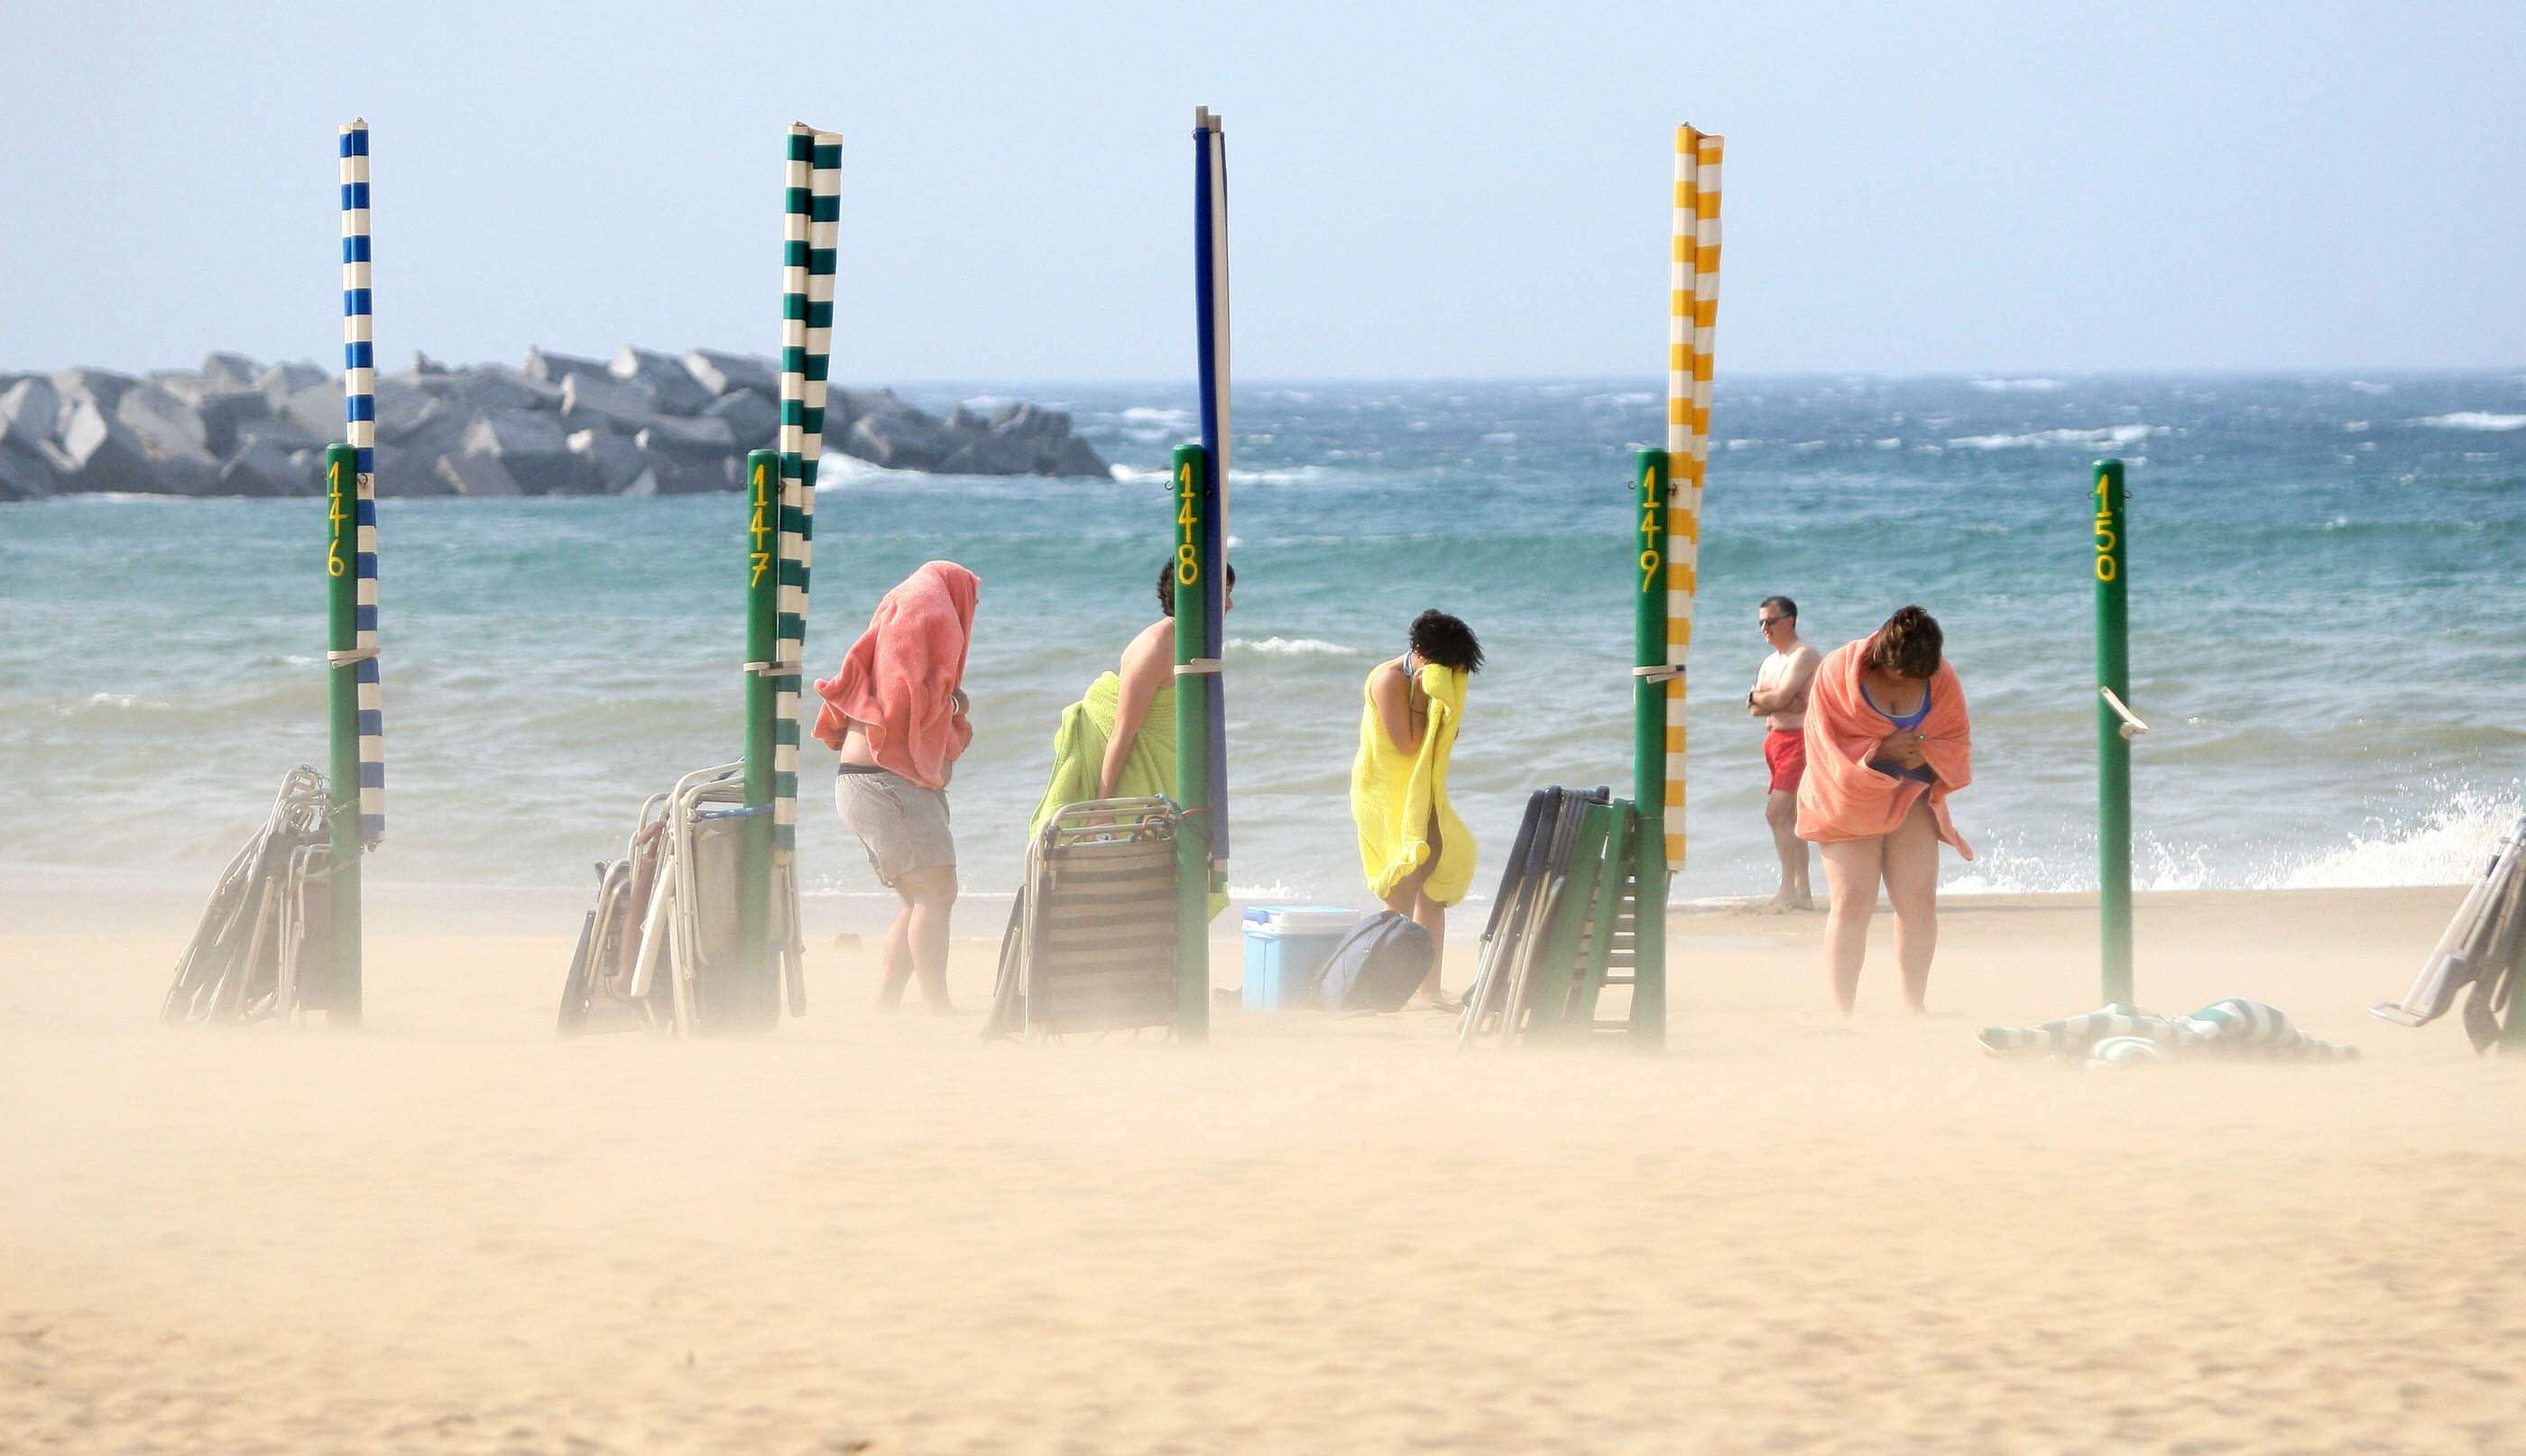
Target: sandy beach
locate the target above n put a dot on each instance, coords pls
(450, 1233)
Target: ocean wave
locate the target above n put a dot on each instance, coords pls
(2474, 420)
(2451, 845)
(1128, 475)
(113, 702)
(1289, 476)
(2110, 438)
(1153, 415)
(1293, 647)
(2448, 843)
(2016, 386)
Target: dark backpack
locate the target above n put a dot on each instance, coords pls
(1376, 965)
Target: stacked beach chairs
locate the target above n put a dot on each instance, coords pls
(666, 916)
(1564, 924)
(269, 917)
(1091, 943)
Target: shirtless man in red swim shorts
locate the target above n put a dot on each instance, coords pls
(1779, 699)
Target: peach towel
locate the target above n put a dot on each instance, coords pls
(899, 679)
(1842, 797)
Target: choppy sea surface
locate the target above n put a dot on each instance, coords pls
(2328, 581)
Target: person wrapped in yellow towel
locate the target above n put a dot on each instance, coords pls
(1119, 740)
(1418, 855)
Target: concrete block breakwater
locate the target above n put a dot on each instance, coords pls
(645, 423)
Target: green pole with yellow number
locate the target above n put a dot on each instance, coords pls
(2113, 749)
(1648, 752)
(343, 781)
(754, 967)
(1194, 500)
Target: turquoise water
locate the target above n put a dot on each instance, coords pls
(2327, 611)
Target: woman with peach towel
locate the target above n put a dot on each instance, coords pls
(1887, 741)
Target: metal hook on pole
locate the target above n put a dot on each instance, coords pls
(2131, 727)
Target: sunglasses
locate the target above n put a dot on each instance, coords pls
(1762, 622)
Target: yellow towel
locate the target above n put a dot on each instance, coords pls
(1394, 795)
(1079, 749)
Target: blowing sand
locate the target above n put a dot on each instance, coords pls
(450, 1234)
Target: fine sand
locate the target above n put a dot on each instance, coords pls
(449, 1232)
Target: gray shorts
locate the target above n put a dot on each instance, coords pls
(900, 823)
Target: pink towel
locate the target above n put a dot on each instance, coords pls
(1842, 797)
(898, 679)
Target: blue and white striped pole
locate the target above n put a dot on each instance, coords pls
(1210, 319)
(355, 808)
(360, 416)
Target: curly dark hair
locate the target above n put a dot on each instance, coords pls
(1167, 584)
(1446, 641)
(1907, 645)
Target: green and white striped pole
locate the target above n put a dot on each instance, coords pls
(1195, 501)
(2112, 529)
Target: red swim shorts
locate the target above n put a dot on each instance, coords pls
(1785, 751)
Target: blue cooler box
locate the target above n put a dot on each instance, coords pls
(1286, 946)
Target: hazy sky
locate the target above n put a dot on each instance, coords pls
(1419, 189)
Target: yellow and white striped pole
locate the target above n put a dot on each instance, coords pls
(1693, 309)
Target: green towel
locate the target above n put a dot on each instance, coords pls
(1079, 750)
(1079, 754)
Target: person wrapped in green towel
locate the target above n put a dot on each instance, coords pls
(1101, 750)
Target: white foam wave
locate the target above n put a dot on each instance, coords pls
(2110, 438)
(1151, 415)
(1501, 437)
(1293, 647)
(2016, 386)
(1278, 890)
(115, 701)
(2450, 844)
(1288, 477)
(1128, 475)
(2474, 420)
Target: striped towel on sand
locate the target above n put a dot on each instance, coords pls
(2115, 1036)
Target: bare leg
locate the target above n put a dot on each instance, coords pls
(1781, 813)
(1912, 886)
(1432, 917)
(932, 891)
(1850, 870)
(894, 958)
(1409, 899)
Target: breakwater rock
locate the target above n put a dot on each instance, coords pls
(644, 424)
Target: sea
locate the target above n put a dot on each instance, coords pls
(2327, 583)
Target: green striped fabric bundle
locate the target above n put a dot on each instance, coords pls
(2116, 1036)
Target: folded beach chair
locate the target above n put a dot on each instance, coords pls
(1090, 945)
(667, 915)
(2484, 947)
(268, 917)
(1562, 925)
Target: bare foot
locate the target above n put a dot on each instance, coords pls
(1785, 903)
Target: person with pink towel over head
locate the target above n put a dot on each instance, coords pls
(896, 712)
(1887, 742)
